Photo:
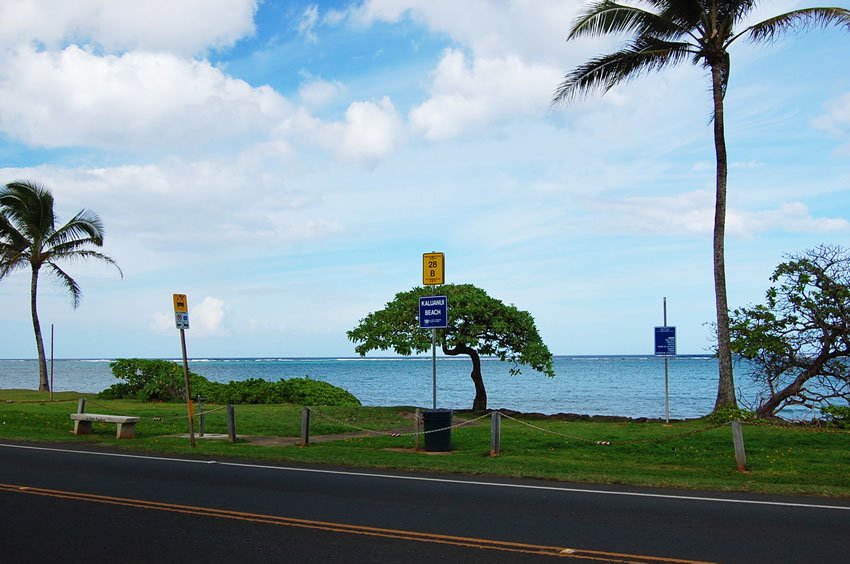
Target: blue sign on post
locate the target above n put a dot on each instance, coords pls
(433, 312)
(665, 341)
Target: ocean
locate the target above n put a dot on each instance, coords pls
(629, 386)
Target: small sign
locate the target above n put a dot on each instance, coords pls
(665, 341)
(182, 319)
(181, 311)
(433, 269)
(180, 303)
(433, 312)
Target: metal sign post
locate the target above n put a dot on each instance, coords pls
(434, 314)
(665, 345)
(434, 367)
(181, 316)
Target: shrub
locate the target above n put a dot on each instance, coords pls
(838, 416)
(163, 380)
(146, 380)
(304, 391)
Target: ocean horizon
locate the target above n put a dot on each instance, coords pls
(617, 385)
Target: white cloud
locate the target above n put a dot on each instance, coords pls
(187, 27)
(836, 120)
(692, 213)
(370, 132)
(793, 217)
(316, 93)
(162, 323)
(307, 25)
(175, 213)
(140, 101)
(207, 318)
(465, 95)
(530, 29)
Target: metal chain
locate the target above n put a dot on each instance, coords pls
(533, 426)
(393, 434)
(161, 417)
(609, 443)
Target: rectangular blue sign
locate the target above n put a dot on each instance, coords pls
(665, 341)
(433, 312)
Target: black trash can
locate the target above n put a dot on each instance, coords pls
(438, 430)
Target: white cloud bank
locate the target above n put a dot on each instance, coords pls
(133, 101)
(469, 94)
(836, 121)
(370, 132)
(186, 27)
(692, 213)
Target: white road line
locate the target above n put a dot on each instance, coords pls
(439, 480)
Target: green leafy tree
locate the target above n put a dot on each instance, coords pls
(29, 239)
(668, 32)
(477, 325)
(799, 339)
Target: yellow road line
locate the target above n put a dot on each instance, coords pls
(469, 542)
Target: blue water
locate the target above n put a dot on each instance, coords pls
(631, 386)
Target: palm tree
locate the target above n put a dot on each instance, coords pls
(668, 32)
(28, 237)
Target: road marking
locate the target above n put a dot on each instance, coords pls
(564, 489)
(398, 534)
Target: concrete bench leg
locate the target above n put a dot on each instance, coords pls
(82, 427)
(126, 431)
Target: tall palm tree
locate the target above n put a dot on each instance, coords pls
(29, 238)
(668, 32)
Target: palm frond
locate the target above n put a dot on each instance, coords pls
(30, 206)
(804, 19)
(73, 255)
(69, 283)
(603, 73)
(67, 248)
(85, 225)
(14, 247)
(607, 17)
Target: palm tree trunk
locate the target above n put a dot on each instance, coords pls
(725, 384)
(43, 384)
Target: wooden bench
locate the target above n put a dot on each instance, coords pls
(126, 425)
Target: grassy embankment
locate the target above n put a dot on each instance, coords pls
(692, 454)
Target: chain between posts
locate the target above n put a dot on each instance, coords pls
(393, 434)
(159, 417)
(609, 443)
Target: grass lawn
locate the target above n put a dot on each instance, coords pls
(692, 454)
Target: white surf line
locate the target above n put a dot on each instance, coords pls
(441, 480)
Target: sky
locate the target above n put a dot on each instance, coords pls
(285, 164)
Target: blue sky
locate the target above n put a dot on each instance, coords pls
(286, 164)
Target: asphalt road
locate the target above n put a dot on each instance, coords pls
(73, 505)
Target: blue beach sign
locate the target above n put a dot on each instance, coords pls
(433, 312)
(665, 341)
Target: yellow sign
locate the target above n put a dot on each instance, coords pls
(180, 304)
(433, 269)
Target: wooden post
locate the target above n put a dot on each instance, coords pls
(416, 420)
(305, 427)
(201, 417)
(81, 405)
(189, 405)
(51, 362)
(495, 433)
(231, 422)
(738, 439)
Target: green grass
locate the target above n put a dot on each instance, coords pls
(692, 454)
